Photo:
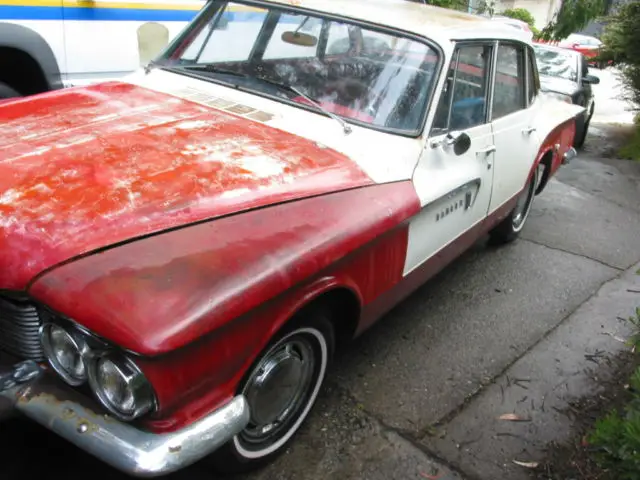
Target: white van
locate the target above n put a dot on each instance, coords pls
(50, 44)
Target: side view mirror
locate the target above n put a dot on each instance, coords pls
(591, 79)
(460, 141)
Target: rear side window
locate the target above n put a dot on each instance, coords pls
(509, 91)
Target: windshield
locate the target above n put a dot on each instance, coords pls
(557, 63)
(377, 79)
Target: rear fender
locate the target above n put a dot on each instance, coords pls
(555, 124)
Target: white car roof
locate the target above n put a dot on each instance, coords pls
(440, 24)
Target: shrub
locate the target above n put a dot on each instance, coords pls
(520, 14)
(616, 438)
(621, 39)
(523, 15)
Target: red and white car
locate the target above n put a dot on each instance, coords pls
(585, 44)
(181, 252)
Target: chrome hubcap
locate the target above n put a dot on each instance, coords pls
(523, 205)
(276, 390)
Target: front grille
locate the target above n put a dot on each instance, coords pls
(20, 328)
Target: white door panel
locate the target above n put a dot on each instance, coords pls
(454, 193)
(517, 141)
(515, 132)
(455, 189)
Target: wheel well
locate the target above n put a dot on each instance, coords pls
(546, 161)
(21, 72)
(345, 312)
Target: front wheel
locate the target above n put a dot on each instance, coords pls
(509, 229)
(7, 92)
(281, 388)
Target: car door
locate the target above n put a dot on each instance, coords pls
(107, 39)
(513, 121)
(454, 174)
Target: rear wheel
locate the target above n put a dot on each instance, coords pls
(281, 388)
(509, 229)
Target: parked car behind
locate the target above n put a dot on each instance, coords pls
(565, 74)
(585, 44)
(182, 251)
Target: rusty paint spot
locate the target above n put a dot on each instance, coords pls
(67, 414)
(175, 449)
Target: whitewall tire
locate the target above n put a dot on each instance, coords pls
(511, 227)
(281, 388)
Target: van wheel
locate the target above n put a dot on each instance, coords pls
(509, 229)
(7, 92)
(281, 388)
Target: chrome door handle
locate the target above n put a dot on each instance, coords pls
(487, 150)
(529, 130)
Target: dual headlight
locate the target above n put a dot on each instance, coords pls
(115, 380)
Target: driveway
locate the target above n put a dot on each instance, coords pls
(430, 357)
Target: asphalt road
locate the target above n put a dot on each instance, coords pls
(436, 350)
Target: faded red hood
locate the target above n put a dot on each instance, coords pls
(82, 169)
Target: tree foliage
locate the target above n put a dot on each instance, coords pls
(572, 17)
(621, 39)
(454, 4)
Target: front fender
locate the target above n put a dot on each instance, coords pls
(200, 303)
(158, 294)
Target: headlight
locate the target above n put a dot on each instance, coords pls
(120, 386)
(66, 351)
(560, 96)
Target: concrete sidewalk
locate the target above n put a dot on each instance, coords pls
(569, 363)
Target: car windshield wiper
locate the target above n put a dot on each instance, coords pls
(291, 89)
(282, 86)
(214, 69)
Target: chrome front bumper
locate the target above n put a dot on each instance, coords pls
(26, 390)
(569, 155)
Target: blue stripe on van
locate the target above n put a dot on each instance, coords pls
(11, 12)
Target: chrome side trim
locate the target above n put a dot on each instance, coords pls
(569, 155)
(76, 418)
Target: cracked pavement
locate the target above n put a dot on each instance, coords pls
(417, 396)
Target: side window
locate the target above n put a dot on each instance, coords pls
(533, 82)
(509, 90)
(463, 103)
